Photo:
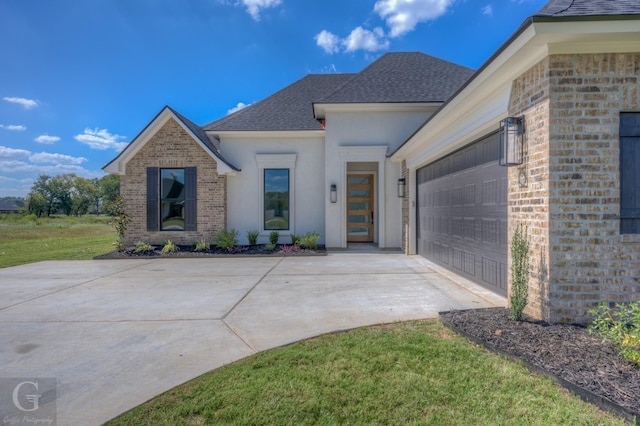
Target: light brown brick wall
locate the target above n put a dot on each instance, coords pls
(571, 202)
(171, 146)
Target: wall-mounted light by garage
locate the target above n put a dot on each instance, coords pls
(401, 187)
(511, 134)
(333, 193)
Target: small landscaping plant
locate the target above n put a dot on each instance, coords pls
(270, 247)
(252, 237)
(294, 239)
(120, 219)
(620, 326)
(309, 241)
(519, 272)
(142, 247)
(170, 247)
(227, 240)
(290, 249)
(274, 236)
(202, 245)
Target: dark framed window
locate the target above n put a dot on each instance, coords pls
(171, 199)
(276, 199)
(630, 173)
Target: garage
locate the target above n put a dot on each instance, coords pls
(462, 213)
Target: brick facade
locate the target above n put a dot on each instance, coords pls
(171, 146)
(568, 191)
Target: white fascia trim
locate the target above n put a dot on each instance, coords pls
(279, 134)
(321, 109)
(492, 85)
(120, 164)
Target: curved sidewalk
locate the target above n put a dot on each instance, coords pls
(115, 333)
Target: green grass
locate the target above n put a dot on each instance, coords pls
(26, 239)
(405, 373)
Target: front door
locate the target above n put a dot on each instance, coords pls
(360, 212)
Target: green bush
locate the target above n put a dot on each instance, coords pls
(309, 241)
(270, 247)
(620, 326)
(294, 239)
(120, 219)
(252, 237)
(142, 247)
(227, 239)
(519, 273)
(274, 236)
(202, 245)
(170, 247)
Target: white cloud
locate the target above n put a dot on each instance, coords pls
(6, 152)
(402, 16)
(487, 10)
(255, 6)
(101, 139)
(46, 139)
(26, 103)
(11, 187)
(328, 41)
(361, 39)
(45, 157)
(241, 105)
(14, 127)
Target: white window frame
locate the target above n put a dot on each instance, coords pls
(277, 161)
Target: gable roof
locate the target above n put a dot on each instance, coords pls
(584, 8)
(287, 109)
(402, 77)
(210, 145)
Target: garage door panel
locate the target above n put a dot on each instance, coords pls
(462, 214)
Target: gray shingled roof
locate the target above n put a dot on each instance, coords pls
(402, 77)
(289, 109)
(585, 8)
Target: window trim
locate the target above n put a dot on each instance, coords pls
(281, 162)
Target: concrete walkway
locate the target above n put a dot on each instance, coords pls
(115, 333)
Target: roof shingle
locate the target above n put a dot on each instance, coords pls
(584, 8)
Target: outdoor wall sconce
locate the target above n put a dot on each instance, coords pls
(511, 136)
(333, 193)
(401, 185)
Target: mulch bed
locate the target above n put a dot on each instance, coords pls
(577, 359)
(239, 251)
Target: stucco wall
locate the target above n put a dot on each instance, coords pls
(244, 189)
(571, 202)
(171, 146)
(368, 129)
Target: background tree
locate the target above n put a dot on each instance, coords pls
(45, 198)
(109, 187)
(36, 204)
(84, 194)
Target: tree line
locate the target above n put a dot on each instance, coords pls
(72, 195)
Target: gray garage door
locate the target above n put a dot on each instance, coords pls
(462, 211)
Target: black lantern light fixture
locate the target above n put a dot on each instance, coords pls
(401, 185)
(333, 193)
(511, 135)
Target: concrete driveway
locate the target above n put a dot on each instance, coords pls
(115, 333)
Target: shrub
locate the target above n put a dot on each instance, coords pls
(142, 247)
(519, 273)
(294, 239)
(120, 219)
(290, 249)
(170, 247)
(270, 247)
(252, 236)
(202, 245)
(274, 236)
(227, 239)
(620, 326)
(309, 241)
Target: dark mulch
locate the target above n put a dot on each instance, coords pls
(189, 251)
(567, 352)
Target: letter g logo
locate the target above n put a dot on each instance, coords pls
(33, 399)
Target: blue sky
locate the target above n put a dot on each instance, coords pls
(81, 78)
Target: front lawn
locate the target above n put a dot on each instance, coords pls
(405, 373)
(26, 239)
